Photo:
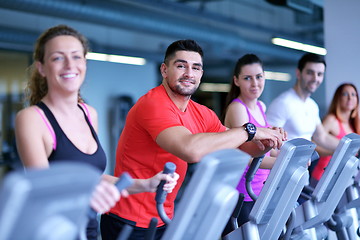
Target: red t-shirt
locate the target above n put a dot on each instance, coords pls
(139, 155)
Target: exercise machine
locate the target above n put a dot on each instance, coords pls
(209, 198)
(280, 193)
(49, 203)
(311, 216)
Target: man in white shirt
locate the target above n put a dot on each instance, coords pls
(296, 111)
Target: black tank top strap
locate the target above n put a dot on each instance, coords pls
(50, 116)
(89, 123)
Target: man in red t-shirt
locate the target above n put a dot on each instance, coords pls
(165, 125)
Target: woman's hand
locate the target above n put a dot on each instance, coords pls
(105, 196)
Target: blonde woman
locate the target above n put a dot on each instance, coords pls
(59, 126)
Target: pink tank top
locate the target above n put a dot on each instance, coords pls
(261, 174)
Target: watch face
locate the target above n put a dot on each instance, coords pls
(251, 128)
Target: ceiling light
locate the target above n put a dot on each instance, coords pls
(299, 46)
(115, 58)
(214, 87)
(277, 76)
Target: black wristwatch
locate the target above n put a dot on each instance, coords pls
(251, 130)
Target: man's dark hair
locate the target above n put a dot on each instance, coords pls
(310, 57)
(182, 45)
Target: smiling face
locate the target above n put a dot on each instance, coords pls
(251, 81)
(311, 76)
(64, 64)
(183, 72)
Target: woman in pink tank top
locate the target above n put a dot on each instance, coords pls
(243, 105)
(341, 119)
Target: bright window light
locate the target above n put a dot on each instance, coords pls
(299, 46)
(115, 58)
(277, 76)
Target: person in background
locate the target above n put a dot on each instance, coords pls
(59, 126)
(295, 110)
(342, 118)
(166, 125)
(242, 106)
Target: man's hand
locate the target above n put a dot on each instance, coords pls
(270, 137)
(171, 181)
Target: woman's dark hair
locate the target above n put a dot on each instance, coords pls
(334, 107)
(234, 91)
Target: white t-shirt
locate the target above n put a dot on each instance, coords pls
(299, 118)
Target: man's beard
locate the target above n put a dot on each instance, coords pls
(311, 90)
(184, 91)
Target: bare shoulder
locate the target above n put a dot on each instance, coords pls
(28, 113)
(33, 139)
(29, 122)
(236, 106)
(330, 123)
(329, 119)
(236, 115)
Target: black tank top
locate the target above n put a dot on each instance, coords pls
(67, 151)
